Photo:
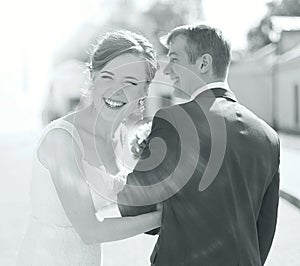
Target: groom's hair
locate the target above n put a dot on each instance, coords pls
(202, 39)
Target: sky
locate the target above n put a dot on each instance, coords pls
(234, 17)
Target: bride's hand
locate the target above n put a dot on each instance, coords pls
(159, 206)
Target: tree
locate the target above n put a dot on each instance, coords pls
(260, 36)
(163, 17)
(157, 18)
(287, 8)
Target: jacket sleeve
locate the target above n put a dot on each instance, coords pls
(267, 218)
(157, 162)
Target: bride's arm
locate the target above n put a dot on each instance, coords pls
(61, 155)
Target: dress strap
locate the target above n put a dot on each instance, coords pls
(69, 127)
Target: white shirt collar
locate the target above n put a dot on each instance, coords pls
(223, 85)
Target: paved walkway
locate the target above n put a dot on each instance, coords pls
(285, 250)
(290, 164)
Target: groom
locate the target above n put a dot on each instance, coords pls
(211, 163)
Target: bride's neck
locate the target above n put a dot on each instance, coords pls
(101, 131)
(99, 126)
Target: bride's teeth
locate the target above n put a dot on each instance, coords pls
(112, 103)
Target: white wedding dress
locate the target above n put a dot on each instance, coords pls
(51, 239)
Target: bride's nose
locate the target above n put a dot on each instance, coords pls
(117, 91)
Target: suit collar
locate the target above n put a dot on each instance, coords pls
(208, 86)
(218, 92)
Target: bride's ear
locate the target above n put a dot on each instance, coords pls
(204, 63)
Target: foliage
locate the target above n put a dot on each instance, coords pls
(260, 35)
(155, 18)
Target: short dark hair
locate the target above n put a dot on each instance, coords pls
(202, 39)
(120, 42)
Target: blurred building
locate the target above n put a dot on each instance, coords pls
(69, 81)
(268, 80)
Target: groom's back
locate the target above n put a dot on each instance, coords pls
(232, 221)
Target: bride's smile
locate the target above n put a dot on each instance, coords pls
(113, 104)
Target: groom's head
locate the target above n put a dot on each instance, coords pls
(198, 54)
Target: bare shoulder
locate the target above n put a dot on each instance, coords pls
(57, 145)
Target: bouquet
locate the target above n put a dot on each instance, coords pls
(139, 141)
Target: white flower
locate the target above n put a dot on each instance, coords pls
(119, 180)
(138, 142)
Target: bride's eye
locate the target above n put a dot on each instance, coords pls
(106, 77)
(131, 83)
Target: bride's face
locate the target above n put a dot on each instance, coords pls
(118, 86)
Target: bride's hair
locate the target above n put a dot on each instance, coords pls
(114, 44)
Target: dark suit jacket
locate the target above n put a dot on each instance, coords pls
(231, 219)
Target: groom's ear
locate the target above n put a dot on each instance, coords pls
(204, 63)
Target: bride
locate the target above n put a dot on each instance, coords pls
(75, 174)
